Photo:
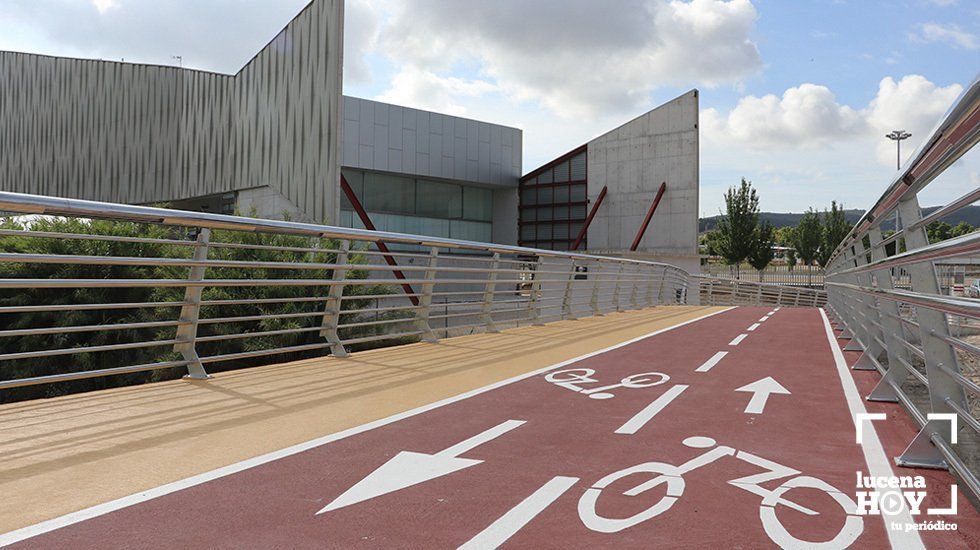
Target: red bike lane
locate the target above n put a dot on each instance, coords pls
(635, 447)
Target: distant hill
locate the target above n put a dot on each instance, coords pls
(970, 215)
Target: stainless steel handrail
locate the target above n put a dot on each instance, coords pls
(718, 291)
(905, 333)
(337, 292)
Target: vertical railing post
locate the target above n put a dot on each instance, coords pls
(619, 277)
(489, 293)
(649, 282)
(898, 355)
(566, 302)
(634, 285)
(660, 288)
(331, 311)
(596, 283)
(190, 312)
(939, 354)
(870, 320)
(425, 301)
(534, 303)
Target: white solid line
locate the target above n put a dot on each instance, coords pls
(738, 339)
(710, 363)
(481, 438)
(517, 517)
(641, 418)
(753, 327)
(120, 503)
(874, 453)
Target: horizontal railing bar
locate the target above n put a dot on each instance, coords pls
(963, 414)
(35, 204)
(262, 352)
(89, 328)
(222, 337)
(90, 349)
(89, 307)
(261, 317)
(187, 283)
(378, 337)
(87, 237)
(945, 304)
(52, 378)
(376, 323)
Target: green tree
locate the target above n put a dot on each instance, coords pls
(737, 226)
(939, 231)
(806, 238)
(835, 229)
(762, 242)
(963, 228)
(791, 258)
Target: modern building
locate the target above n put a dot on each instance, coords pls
(277, 138)
(626, 167)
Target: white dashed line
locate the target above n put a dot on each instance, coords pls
(738, 339)
(711, 362)
(753, 327)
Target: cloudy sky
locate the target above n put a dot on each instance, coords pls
(796, 95)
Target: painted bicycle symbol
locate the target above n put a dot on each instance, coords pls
(673, 477)
(573, 379)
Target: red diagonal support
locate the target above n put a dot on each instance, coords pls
(366, 220)
(588, 221)
(646, 221)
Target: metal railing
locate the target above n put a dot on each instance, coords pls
(733, 292)
(904, 331)
(310, 289)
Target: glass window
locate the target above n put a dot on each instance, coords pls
(546, 195)
(560, 232)
(578, 212)
(561, 194)
(529, 214)
(355, 178)
(574, 230)
(544, 214)
(384, 193)
(578, 167)
(577, 193)
(433, 227)
(561, 172)
(528, 233)
(477, 204)
(561, 212)
(470, 231)
(544, 232)
(529, 195)
(545, 177)
(439, 200)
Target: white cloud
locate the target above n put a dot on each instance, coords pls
(951, 34)
(419, 89)
(944, 3)
(103, 5)
(805, 116)
(576, 57)
(914, 104)
(361, 25)
(809, 117)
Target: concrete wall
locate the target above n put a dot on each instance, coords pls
(379, 136)
(129, 133)
(633, 160)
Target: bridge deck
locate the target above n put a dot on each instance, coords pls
(579, 433)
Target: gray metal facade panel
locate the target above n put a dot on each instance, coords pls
(422, 143)
(131, 133)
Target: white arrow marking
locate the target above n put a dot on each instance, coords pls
(409, 468)
(761, 390)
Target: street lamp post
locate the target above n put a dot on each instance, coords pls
(897, 136)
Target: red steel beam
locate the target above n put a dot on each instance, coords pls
(646, 221)
(366, 220)
(588, 220)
